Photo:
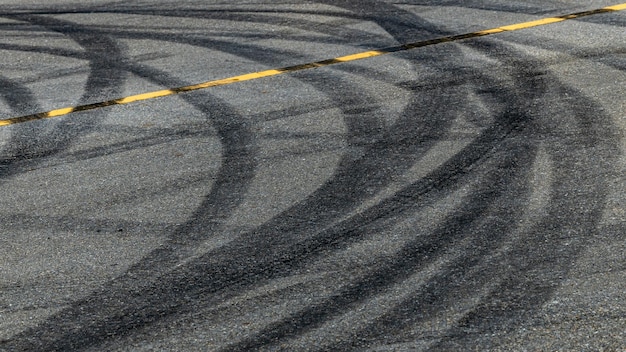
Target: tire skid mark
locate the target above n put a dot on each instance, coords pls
(316, 315)
(153, 308)
(535, 269)
(411, 258)
(469, 325)
(314, 227)
(102, 79)
(199, 227)
(237, 147)
(19, 98)
(160, 254)
(292, 325)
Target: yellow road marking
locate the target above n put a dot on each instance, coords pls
(59, 112)
(360, 56)
(541, 22)
(274, 72)
(144, 96)
(616, 7)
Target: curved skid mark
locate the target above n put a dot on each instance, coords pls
(18, 98)
(235, 138)
(186, 284)
(499, 158)
(414, 256)
(454, 176)
(102, 80)
(160, 255)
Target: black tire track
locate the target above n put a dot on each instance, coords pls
(364, 168)
(533, 273)
(20, 99)
(238, 144)
(289, 241)
(103, 80)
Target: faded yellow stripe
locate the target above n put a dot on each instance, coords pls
(230, 80)
(274, 72)
(360, 56)
(256, 75)
(144, 96)
(489, 31)
(59, 112)
(619, 7)
(530, 24)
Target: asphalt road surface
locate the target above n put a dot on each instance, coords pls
(465, 193)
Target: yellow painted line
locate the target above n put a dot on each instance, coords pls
(59, 112)
(144, 96)
(530, 24)
(360, 56)
(311, 65)
(619, 7)
(490, 31)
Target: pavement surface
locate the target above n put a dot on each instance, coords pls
(465, 194)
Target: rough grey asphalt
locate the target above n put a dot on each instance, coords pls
(461, 196)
